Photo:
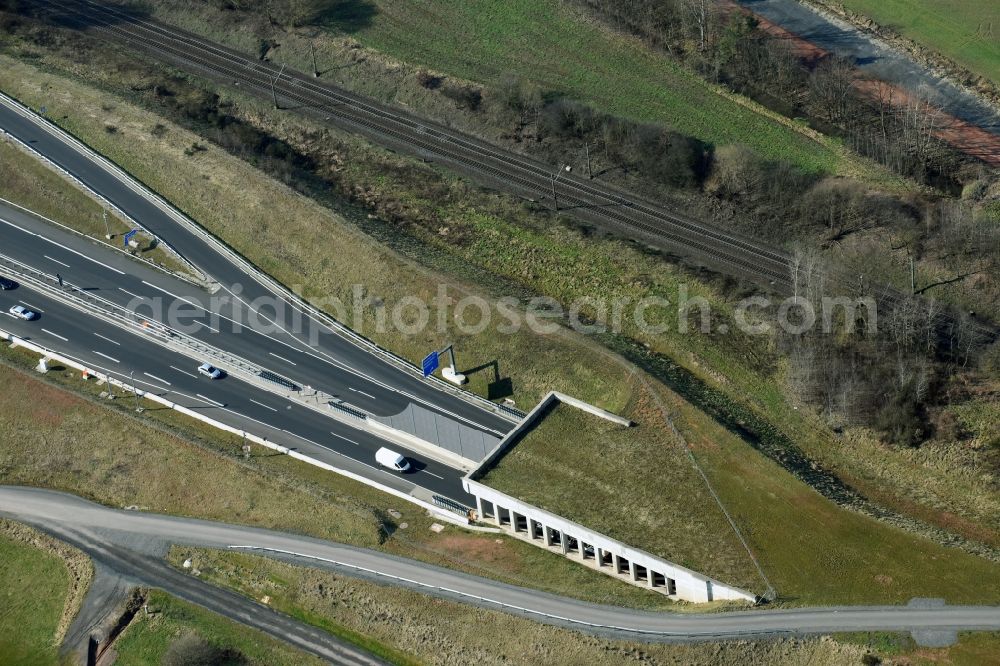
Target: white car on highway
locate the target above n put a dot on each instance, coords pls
(392, 460)
(209, 371)
(22, 312)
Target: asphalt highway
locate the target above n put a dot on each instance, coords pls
(333, 364)
(125, 356)
(255, 331)
(58, 512)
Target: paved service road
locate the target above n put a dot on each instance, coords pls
(130, 568)
(58, 512)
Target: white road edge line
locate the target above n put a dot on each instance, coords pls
(179, 298)
(60, 246)
(217, 404)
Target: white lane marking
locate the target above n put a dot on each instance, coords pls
(282, 358)
(217, 404)
(129, 293)
(55, 335)
(344, 438)
(110, 358)
(62, 247)
(157, 379)
(103, 337)
(32, 307)
(432, 474)
(363, 393)
(184, 372)
(263, 405)
(179, 298)
(57, 261)
(214, 330)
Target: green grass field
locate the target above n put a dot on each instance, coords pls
(967, 31)
(33, 588)
(550, 44)
(564, 52)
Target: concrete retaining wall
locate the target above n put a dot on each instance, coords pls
(572, 540)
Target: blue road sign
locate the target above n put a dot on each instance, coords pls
(430, 364)
(129, 235)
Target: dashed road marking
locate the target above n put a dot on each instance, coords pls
(55, 335)
(157, 379)
(108, 339)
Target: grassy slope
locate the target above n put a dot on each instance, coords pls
(148, 638)
(33, 587)
(958, 29)
(576, 464)
(814, 552)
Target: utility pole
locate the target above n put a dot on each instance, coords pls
(590, 172)
(913, 279)
(274, 94)
(135, 391)
(107, 227)
(312, 52)
(553, 177)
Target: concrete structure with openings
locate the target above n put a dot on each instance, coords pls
(562, 536)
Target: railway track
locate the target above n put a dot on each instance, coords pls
(617, 209)
(675, 232)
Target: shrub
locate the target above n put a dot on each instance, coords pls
(192, 650)
(428, 80)
(465, 96)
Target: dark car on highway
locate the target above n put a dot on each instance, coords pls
(7, 284)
